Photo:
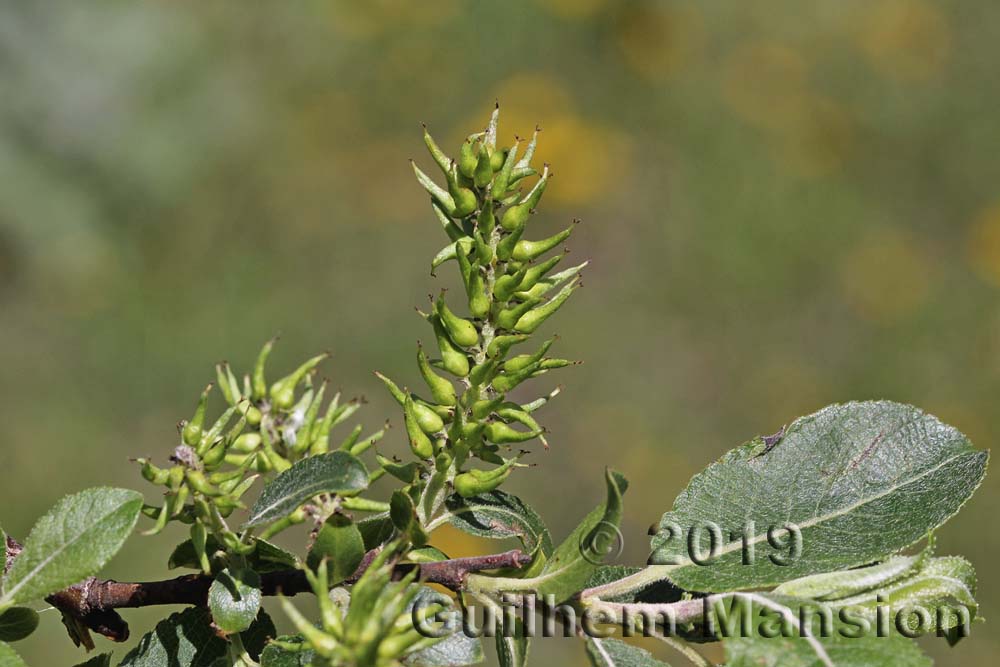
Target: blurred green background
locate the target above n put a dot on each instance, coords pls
(787, 205)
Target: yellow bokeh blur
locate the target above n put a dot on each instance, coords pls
(907, 40)
(983, 245)
(887, 276)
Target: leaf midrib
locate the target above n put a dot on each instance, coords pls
(809, 523)
(9, 595)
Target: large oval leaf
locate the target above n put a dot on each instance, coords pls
(72, 542)
(336, 472)
(845, 486)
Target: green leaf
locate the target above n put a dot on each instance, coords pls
(376, 530)
(73, 541)
(340, 542)
(276, 656)
(512, 651)
(574, 562)
(187, 640)
(845, 486)
(267, 557)
(454, 650)
(945, 587)
(9, 658)
(234, 599)
(868, 651)
(102, 660)
(336, 472)
(499, 515)
(658, 591)
(616, 653)
(17, 623)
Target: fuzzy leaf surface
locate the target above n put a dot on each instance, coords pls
(858, 481)
(336, 472)
(73, 541)
(234, 599)
(616, 653)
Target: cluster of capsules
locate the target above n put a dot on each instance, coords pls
(510, 290)
(265, 429)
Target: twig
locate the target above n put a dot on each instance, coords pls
(93, 602)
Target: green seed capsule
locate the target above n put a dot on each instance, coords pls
(498, 158)
(153, 474)
(503, 434)
(450, 252)
(543, 286)
(505, 249)
(283, 391)
(259, 385)
(191, 433)
(499, 346)
(523, 361)
(535, 194)
(482, 373)
(441, 388)
(419, 419)
(254, 416)
(450, 226)
(465, 266)
(528, 250)
(483, 173)
(197, 481)
(536, 272)
(407, 473)
(482, 409)
(484, 253)
(467, 158)
(529, 153)
(535, 317)
(420, 444)
(502, 178)
(461, 331)
(438, 194)
(513, 412)
(507, 381)
(515, 217)
(475, 482)
(214, 457)
(227, 383)
(479, 301)
(508, 317)
(465, 199)
(505, 286)
(487, 219)
(442, 160)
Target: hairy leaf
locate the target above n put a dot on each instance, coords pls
(499, 515)
(454, 650)
(9, 658)
(340, 542)
(102, 660)
(73, 541)
(513, 646)
(276, 656)
(841, 652)
(336, 472)
(376, 530)
(234, 599)
(17, 623)
(616, 653)
(187, 640)
(843, 487)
